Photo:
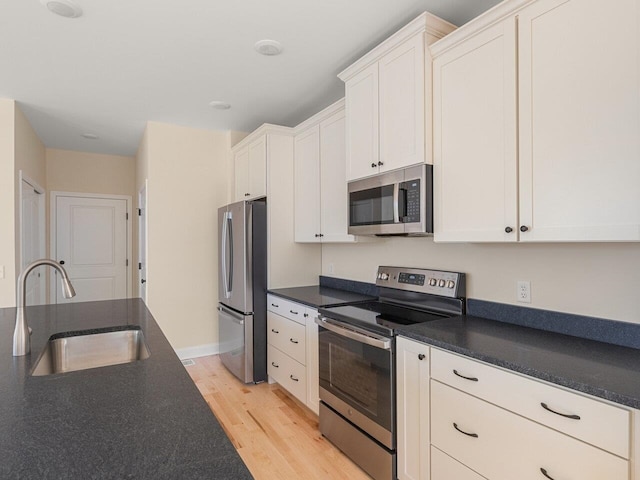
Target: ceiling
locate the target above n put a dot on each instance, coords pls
(123, 63)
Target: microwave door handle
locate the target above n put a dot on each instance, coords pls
(396, 209)
(368, 339)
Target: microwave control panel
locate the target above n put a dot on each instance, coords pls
(412, 209)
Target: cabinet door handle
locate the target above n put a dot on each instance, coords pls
(524, 228)
(293, 378)
(291, 311)
(317, 235)
(305, 315)
(380, 164)
(421, 356)
(373, 165)
(544, 472)
(474, 435)
(274, 330)
(472, 379)
(508, 229)
(275, 364)
(572, 417)
(247, 194)
(293, 341)
(274, 305)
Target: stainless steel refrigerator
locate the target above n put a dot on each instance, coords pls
(242, 289)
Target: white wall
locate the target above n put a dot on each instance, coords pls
(187, 171)
(7, 204)
(601, 280)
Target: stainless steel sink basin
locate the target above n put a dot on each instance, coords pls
(80, 350)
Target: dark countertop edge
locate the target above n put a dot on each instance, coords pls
(349, 297)
(530, 372)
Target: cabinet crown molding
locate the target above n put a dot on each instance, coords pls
(320, 116)
(264, 129)
(425, 22)
(473, 27)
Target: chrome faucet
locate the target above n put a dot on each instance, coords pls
(22, 332)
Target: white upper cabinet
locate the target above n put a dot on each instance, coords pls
(320, 178)
(250, 167)
(385, 101)
(543, 144)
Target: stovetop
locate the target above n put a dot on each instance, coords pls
(379, 317)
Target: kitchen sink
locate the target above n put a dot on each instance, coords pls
(81, 350)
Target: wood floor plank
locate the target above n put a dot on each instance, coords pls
(276, 436)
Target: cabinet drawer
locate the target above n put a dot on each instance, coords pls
(443, 467)
(502, 446)
(290, 374)
(287, 335)
(286, 308)
(599, 423)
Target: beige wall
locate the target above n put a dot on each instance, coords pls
(187, 172)
(601, 280)
(7, 202)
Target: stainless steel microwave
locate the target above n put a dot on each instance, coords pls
(394, 203)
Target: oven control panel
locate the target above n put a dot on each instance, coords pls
(435, 282)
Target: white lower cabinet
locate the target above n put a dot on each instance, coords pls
(292, 349)
(466, 420)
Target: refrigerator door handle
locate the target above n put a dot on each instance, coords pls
(223, 247)
(230, 233)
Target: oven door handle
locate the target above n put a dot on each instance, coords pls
(369, 338)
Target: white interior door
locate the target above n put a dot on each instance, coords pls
(142, 243)
(32, 232)
(91, 240)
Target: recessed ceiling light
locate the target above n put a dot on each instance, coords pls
(268, 47)
(90, 136)
(64, 8)
(218, 105)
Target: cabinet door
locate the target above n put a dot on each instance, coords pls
(361, 96)
(258, 168)
(333, 180)
(312, 363)
(579, 120)
(307, 186)
(402, 105)
(241, 173)
(412, 384)
(475, 157)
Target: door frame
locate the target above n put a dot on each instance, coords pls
(143, 246)
(53, 232)
(42, 243)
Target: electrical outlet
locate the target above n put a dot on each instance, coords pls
(524, 291)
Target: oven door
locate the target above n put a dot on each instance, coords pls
(357, 377)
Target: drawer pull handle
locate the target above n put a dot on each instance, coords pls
(275, 305)
(572, 417)
(472, 379)
(544, 472)
(293, 341)
(474, 435)
(293, 378)
(291, 311)
(275, 364)
(275, 331)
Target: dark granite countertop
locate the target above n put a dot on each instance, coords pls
(142, 420)
(600, 369)
(317, 296)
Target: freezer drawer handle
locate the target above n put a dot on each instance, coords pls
(474, 435)
(544, 472)
(293, 341)
(233, 316)
(572, 417)
(293, 378)
(275, 331)
(275, 364)
(472, 379)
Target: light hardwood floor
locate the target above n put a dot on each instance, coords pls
(276, 436)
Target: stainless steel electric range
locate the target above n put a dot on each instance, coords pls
(357, 360)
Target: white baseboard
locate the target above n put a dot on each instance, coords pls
(198, 351)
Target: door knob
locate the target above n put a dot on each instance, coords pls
(61, 262)
(508, 229)
(524, 228)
